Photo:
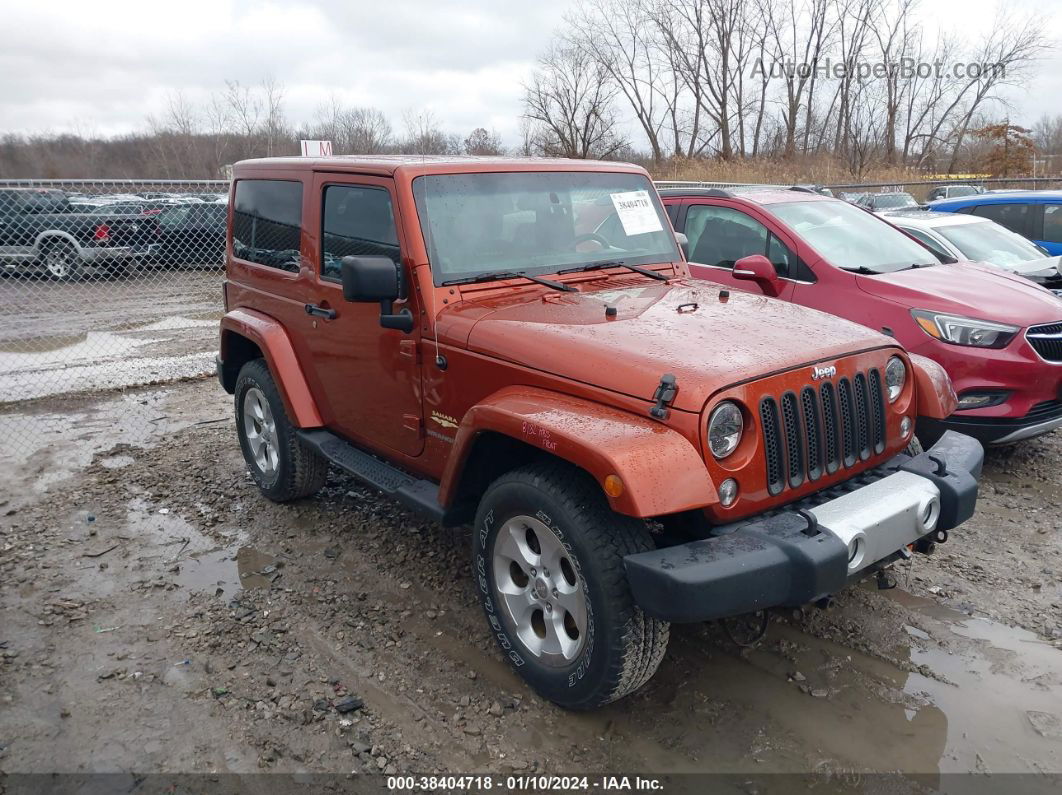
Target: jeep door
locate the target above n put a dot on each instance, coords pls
(366, 378)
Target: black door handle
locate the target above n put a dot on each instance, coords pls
(320, 311)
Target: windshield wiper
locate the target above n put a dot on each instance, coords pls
(861, 269)
(918, 265)
(617, 263)
(500, 275)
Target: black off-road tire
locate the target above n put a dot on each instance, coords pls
(300, 470)
(623, 646)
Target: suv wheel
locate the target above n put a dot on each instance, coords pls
(62, 261)
(548, 564)
(280, 463)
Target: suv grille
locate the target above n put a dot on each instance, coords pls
(822, 430)
(1047, 341)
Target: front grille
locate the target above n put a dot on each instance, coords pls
(1046, 341)
(1048, 410)
(823, 430)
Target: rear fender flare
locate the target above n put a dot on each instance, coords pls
(661, 470)
(936, 395)
(269, 335)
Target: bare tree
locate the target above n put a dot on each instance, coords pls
(483, 142)
(571, 98)
(618, 36)
(1004, 58)
(707, 41)
(424, 136)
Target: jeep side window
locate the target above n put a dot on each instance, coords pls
(266, 222)
(721, 236)
(357, 221)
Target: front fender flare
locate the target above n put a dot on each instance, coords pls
(662, 472)
(936, 395)
(269, 335)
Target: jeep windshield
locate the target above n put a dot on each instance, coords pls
(537, 222)
(851, 238)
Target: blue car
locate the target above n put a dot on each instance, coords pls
(1035, 214)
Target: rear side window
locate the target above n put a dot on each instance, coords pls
(358, 222)
(266, 219)
(1013, 216)
(1052, 223)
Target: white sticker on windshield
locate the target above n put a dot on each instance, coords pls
(636, 212)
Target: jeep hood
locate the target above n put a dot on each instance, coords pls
(981, 291)
(684, 328)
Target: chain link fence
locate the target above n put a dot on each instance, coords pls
(112, 284)
(104, 285)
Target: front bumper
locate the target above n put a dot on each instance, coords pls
(1042, 419)
(798, 556)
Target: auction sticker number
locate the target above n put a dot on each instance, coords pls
(636, 212)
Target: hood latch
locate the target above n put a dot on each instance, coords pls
(664, 397)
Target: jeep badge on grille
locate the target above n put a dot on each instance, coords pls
(823, 372)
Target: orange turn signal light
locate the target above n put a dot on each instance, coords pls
(613, 486)
(928, 326)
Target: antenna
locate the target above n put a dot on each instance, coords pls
(440, 361)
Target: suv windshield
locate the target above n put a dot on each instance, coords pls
(986, 241)
(892, 201)
(851, 238)
(539, 222)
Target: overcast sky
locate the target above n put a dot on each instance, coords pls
(102, 66)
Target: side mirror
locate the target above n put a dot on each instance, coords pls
(757, 268)
(377, 279)
(684, 244)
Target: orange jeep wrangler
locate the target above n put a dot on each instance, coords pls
(518, 344)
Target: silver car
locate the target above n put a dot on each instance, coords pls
(955, 236)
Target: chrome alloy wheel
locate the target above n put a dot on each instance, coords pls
(60, 260)
(261, 431)
(542, 593)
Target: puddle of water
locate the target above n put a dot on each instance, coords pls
(225, 572)
(855, 714)
(47, 447)
(999, 679)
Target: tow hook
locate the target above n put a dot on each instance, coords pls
(746, 630)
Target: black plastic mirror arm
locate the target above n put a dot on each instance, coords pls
(400, 321)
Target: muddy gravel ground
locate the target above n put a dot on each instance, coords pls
(158, 615)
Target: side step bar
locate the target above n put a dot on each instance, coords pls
(413, 492)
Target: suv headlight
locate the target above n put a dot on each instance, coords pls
(964, 330)
(724, 429)
(895, 377)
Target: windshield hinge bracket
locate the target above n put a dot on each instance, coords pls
(664, 397)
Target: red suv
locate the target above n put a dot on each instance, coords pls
(998, 335)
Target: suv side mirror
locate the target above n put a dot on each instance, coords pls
(757, 268)
(377, 279)
(684, 244)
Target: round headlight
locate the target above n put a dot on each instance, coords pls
(895, 377)
(724, 429)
